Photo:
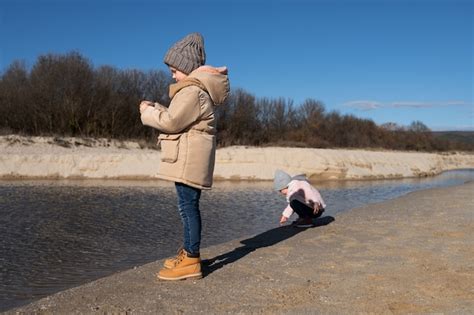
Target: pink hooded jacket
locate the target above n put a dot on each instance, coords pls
(302, 191)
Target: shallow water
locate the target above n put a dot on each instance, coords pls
(59, 234)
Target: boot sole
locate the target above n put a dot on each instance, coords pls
(191, 276)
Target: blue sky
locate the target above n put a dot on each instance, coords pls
(389, 61)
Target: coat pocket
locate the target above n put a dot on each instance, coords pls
(169, 147)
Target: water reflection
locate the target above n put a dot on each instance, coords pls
(58, 234)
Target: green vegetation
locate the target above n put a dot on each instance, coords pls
(65, 95)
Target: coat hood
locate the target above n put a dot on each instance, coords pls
(215, 82)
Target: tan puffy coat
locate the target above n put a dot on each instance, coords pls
(188, 127)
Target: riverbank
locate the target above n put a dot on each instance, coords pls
(71, 158)
(408, 255)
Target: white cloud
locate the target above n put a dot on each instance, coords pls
(373, 105)
(364, 105)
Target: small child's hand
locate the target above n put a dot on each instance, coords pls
(316, 208)
(283, 219)
(144, 105)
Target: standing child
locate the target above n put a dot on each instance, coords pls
(302, 198)
(188, 142)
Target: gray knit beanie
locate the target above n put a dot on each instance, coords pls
(188, 54)
(281, 180)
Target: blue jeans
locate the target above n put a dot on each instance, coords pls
(188, 205)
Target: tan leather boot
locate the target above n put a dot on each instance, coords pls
(171, 262)
(185, 268)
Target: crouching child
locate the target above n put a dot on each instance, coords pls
(302, 198)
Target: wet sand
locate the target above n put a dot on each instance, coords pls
(413, 254)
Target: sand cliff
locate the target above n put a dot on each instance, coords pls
(41, 157)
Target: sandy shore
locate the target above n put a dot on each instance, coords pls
(36, 157)
(408, 255)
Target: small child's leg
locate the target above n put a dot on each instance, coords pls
(301, 209)
(305, 212)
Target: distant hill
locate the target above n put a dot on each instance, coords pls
(466, 137)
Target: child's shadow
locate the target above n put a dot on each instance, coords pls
(267, 238)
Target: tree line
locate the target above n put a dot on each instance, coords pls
(65, 95)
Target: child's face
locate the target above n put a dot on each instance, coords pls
(284, 191)
(177, 75)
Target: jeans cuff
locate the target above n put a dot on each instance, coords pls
(193, 255)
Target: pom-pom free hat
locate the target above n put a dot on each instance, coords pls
(281, 180)
(187, 54)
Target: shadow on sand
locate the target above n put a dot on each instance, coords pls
(265, 239)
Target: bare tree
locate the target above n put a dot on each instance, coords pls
(66, 95)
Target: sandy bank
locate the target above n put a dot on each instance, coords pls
(36, 157)
(408, 255)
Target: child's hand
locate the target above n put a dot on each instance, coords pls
(316, 208)
(144, 105)
(283, 219)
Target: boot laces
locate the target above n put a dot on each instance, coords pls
(180, 257)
